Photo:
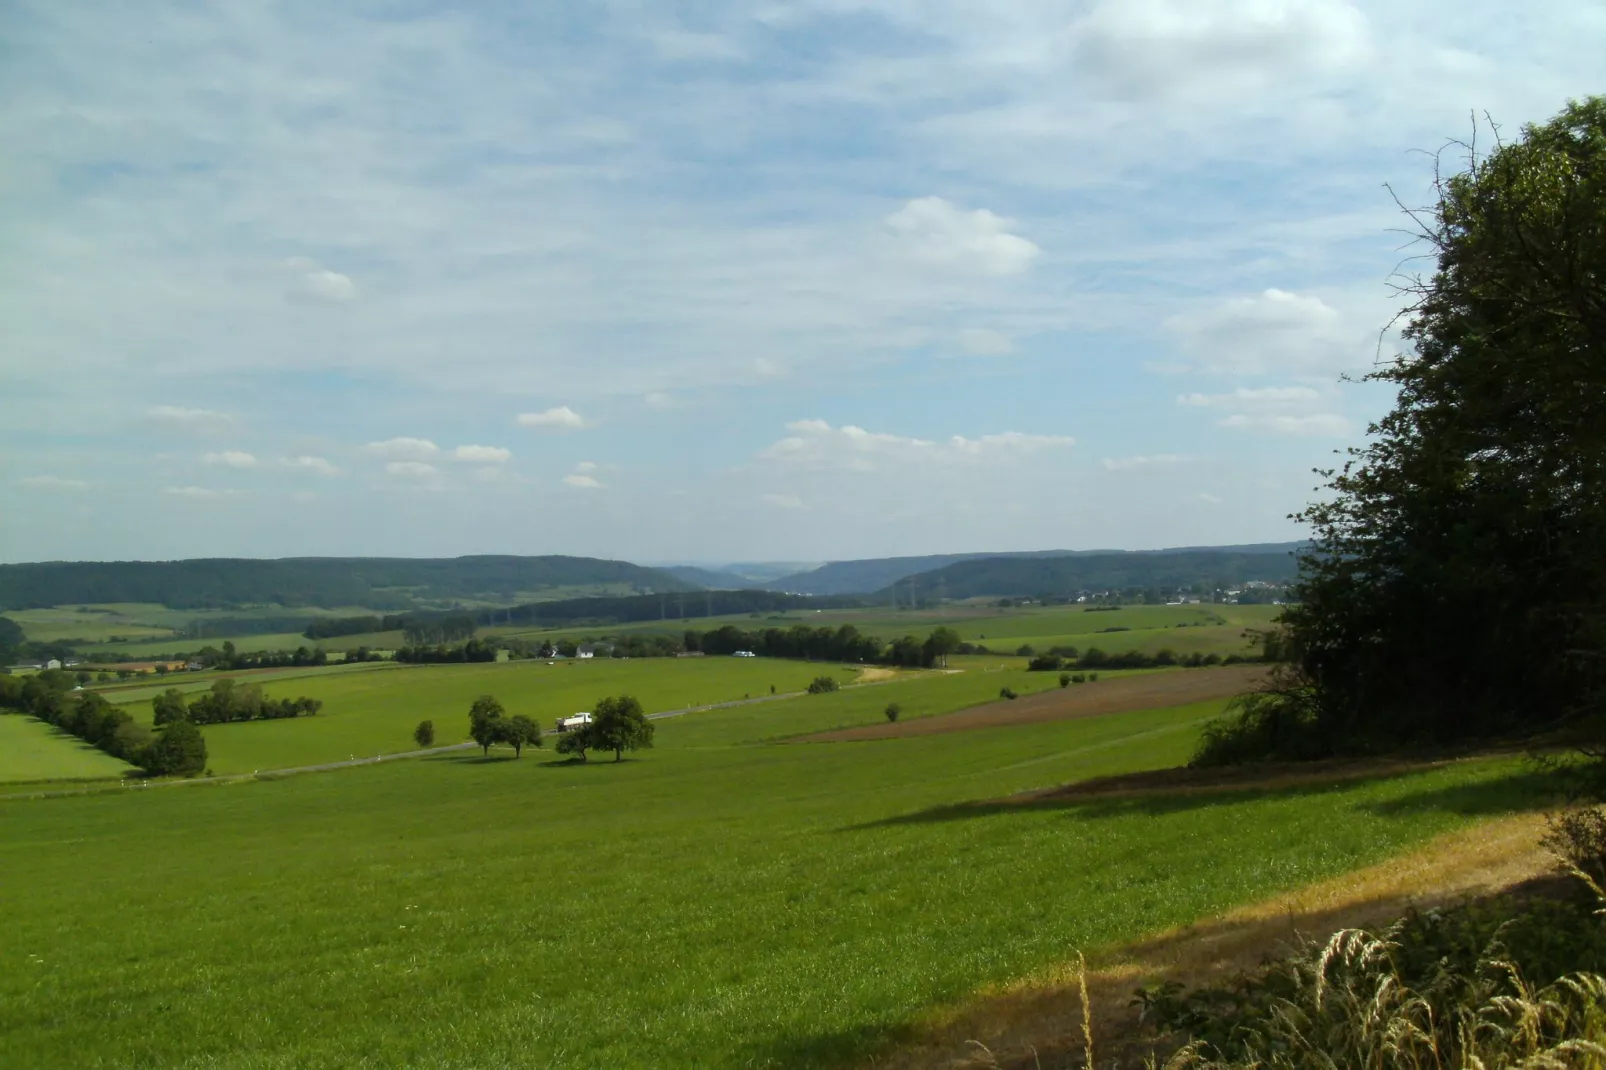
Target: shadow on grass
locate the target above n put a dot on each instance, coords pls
(841, 1048)
(1524, 789)
(471, 759)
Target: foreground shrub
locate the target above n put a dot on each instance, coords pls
(893, 711)
(424, 734)
(821, 685)
(1065, 679)
(1007, 692)
(1492, 984)
(1578, 838)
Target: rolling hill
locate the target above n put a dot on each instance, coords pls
(374, 582)
(880, 573)
(1070, 574)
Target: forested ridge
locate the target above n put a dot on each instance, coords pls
(372, 582)
(1070, 575)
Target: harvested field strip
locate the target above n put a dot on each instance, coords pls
(1037, 1022)
(1139, 692)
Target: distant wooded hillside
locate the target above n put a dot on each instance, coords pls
(373, 582)
(1068, 575)
(880, 573)
(671, 608)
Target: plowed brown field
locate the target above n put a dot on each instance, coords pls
(1147, 692)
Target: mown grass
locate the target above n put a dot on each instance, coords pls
(32, 750)
(367, 713)
(709, 904)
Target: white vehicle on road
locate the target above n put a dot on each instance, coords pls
(578, 720)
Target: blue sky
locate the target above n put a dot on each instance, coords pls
(791, 281)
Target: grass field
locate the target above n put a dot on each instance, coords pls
(374, 712)
(713, 902)
(32, 750)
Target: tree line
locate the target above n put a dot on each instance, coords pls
(177, 748)
(227, 701)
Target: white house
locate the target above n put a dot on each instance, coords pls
(586, 652)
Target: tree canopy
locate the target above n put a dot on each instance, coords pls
(618, 724)
(1456, 584)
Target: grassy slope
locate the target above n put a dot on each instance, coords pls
(710, 904)
(33, 750)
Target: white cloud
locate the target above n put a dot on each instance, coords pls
(586, 466)
(174, 417)
(1265, 396)
(936, 232)
(982, 342)
(313, 282)
(198, 493)
(816, 444)
(561, 418)
(1148, 48)
(318, 465)
(1208, 499)
(1321, 423)
(1128, 464)
(48, 482)
(410, 469)
(1014, 441)
(231, 459)
(582, 482)
(1276, 331)
(482, 454)
(782, 501)
(402, 449)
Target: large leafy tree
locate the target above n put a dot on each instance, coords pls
(486, 720)
(618, 724)
(1456, 585)
(179, 750)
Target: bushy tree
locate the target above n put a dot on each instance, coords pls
(169, 706)
(1455, 586)
(618, 724)
(893, 711)
(519, 732)
(178, 750)
(575, 742)
(485, 719)
(424, 734)
(821, 685)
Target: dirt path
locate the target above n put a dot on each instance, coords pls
(1037, 1022)
(1147, 692)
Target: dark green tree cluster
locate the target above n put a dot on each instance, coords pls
(227, 657)
(823, 685)
(489, 724)
(1094, 658)
(799, 641)
(1456, 586)
(617, 724)
(333, 627)
(227, 701)
(87, 715)
(475, 650)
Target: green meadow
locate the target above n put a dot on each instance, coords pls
(32, 750)
(715, 901)
(372, 711)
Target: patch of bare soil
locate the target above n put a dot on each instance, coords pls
(1118, 695)
(874, 674)
(1037, 1023)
